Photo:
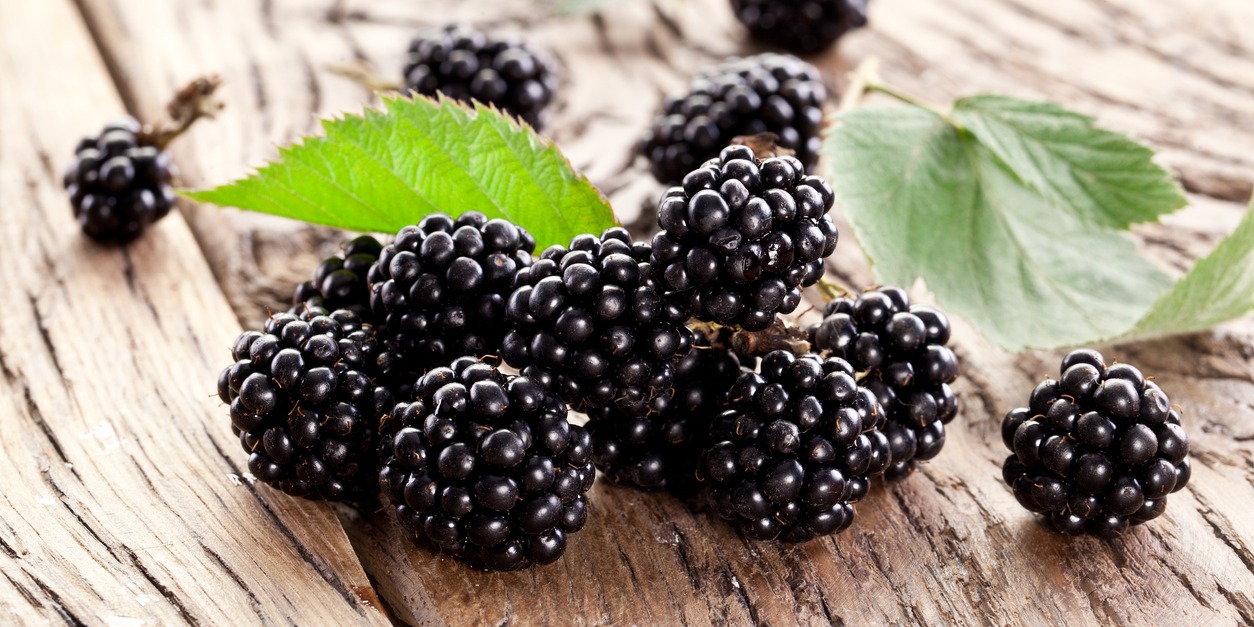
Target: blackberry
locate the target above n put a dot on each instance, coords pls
(466, 64)
(768, 93)
(486, 467)
(305, 395)
(800, 25)
(341, 282)
(660, 449)
(438, 291)
(1097, 450)
(590, 323)
(900, 350)
(119, 185)
(794, 449)
(742, 236)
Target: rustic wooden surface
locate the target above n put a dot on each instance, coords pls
(122, 496)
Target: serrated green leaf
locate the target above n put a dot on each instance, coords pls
(385, 169)
(1101, 176)
(577, 7)
(927, 199)
(1218, 288)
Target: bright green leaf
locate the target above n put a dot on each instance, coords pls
(385, 169)
(929, 200)
(1101, 176)
(1219, 287)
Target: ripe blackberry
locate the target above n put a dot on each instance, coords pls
(900, 351)
(794, 450)
(464, 63)
(660, 449)
(305, 395)
(1096, 450)
(768, 93)
(486, 467)
(800, 25)
(438, 292)
(742, 236)
(341, 282)
(590, 323)
(117, 184)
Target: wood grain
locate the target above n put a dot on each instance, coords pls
(948, 546)
(123, 500)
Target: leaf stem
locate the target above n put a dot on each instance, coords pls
(866, 79)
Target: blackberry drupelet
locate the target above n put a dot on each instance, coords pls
(768, 93)
(794, 450)
(466, 64)
(800, 25)
(486, 467)
(118, 186)
(899, 350)
(306, 394)
(1097, 450)
(590, 323)
(660, 449)
(438, 291)
(341, 282)
(741, 237)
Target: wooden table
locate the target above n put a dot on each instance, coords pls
(124, 499)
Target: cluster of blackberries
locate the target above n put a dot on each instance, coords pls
(465, 64)
(899, 351)
(742, 236)
(800, 25)
(341, 282)
(768, 93)
(486, 466)
(118, 186)
(1096, 450)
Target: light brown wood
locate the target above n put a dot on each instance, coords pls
(947, 546)
(123, 499)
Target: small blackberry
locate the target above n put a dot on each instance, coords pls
(486, 467)
(466, 64)
(117, 184)
(768, 93)
(660, 449)
(341, 282)
(590, 323)
(742, 236)
(900, 351)
(438, 291)
(800, 25)
(1096, 450)
(794, 449)
(305, 395)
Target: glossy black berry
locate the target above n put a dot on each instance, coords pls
(341, 282)
(590, 322)
(438, 291)
(768, 93)
(486, 467)
(1098, 450)
(465, 64)
(306, 394)
(794, 449)
(737, 253)
(800, 25)
(899, 351)
(661, 448)
(118, 185)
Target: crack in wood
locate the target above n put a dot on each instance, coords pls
(57, 603)
(165, 591)
(239, 581)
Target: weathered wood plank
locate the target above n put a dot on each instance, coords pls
(948, 546)
(122, 495)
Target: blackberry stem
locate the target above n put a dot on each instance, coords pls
(365, 75)
(779, 336)
(191, 103)
(866, 79)
(830, 290)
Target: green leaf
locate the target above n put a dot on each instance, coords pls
(385, 169)
(1101, 176)
(928, 199)
(1219, 287)
(577, 7)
